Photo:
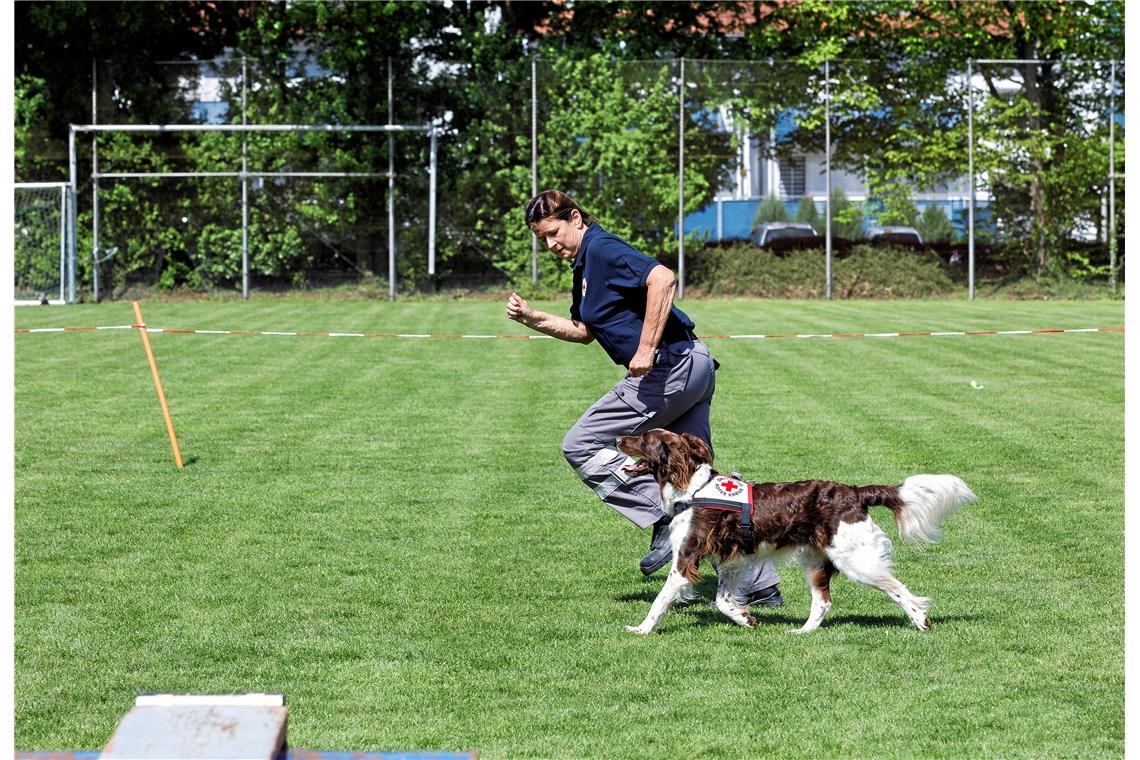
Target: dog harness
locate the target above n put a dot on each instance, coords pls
(732, 495)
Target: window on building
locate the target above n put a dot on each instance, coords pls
(793, 177)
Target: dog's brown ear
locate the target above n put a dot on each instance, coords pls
(653, 452)
(699, 448)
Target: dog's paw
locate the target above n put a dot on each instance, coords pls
(807, 627)
(638, 629)
(749, 620)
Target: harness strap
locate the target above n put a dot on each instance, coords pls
(743, 504)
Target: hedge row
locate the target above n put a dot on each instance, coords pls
(868, 272)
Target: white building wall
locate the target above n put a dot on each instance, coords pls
(757, 177)
(851, 184)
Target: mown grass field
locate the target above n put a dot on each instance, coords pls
(384, 530)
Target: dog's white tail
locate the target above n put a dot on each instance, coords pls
(927, 501)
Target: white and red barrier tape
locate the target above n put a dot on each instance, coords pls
(547, 337)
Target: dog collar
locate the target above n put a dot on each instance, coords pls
(676, 500)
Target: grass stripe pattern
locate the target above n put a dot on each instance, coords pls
(385, 532)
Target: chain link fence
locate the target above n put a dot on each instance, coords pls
(1001, 166)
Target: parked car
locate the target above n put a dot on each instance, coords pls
(904, 236)
(766, 233)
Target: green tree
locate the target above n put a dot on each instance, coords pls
(31, 106)
(806, 212)
(771, 209)
(846, 217)
(902, 114)
(57, 45)
(608, 125)
(933, 225)
(895, 205)
(61, 50)
(611, 139)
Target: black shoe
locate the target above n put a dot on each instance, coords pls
(763, 597)
(659, 550)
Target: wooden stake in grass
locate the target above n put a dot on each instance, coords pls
(141, 326)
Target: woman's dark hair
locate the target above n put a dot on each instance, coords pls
(554, 203)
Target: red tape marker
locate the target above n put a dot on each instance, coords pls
(455, 336)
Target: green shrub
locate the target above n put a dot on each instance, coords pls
(808, 214)
(870, 272)
(772, 209)
(933, 225)
(846, 217)
(889, 272)
(1048, 287)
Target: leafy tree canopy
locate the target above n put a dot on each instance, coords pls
(607, 103)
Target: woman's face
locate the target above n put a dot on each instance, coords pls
(561, 236)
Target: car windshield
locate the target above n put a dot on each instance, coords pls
(789, 232)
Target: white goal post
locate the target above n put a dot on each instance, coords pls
(245, 175)
(39, 243)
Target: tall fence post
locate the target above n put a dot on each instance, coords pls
(244, 187)
(94, 182)
(72, 213)
(681, 187)
(391, 194)
(970, 138)
(533, 162)
(1112, 179)
(63, 243)
(827, 168)
(433, 171)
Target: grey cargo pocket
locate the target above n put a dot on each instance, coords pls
(639, 402)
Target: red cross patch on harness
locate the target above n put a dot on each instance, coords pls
(725, 492)
(727, 486)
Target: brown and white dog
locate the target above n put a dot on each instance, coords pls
(825, 525)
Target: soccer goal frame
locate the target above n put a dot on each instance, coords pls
(65, 265)
(245, 175)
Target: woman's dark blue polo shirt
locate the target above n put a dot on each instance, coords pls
(609, 295)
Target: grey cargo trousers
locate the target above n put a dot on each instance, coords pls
(676, 395)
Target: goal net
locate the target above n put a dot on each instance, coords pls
(39, 244)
